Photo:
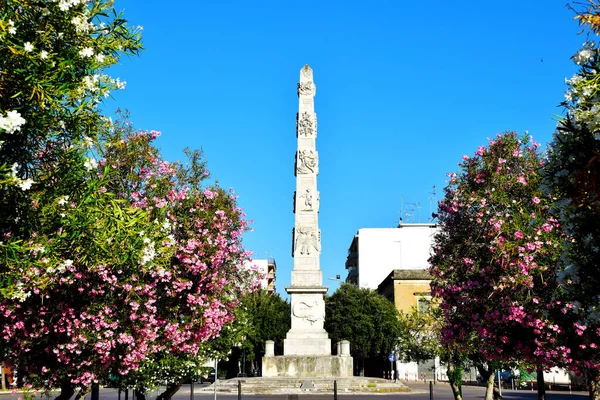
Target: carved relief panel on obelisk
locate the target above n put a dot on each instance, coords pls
(307, 336)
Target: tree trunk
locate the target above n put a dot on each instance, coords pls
(455, 380)
(171, 389)
(488, 378)
(139, 395)
(497, 394)
(82, 392)
(66, 391)
(541, 385)
(594, 385)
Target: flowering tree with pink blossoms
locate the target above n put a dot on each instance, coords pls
(493, 267)
(573, 171)
(143, 265)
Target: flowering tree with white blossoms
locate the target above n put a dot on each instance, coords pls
(493, 263)
(573, 171)
(52, 55)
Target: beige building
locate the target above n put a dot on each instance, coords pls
(407, 289)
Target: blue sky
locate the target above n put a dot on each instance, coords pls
(404, 89)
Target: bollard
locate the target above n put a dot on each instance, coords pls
(127, 394)
(95, 391)
(191, 389)
(430, 390)
(383, 374)
(531, 383)
(570, 388)
(550, 385)
(335, 390)
(119, 396)
(216, 378)
(239, 390)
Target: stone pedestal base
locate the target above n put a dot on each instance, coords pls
(302, 343)
(307, 366)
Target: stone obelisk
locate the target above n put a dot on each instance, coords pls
(307, 335)
(307, 347)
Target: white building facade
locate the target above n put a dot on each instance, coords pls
(376, 252)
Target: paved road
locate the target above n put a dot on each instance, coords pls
(420, 391)
(441, 391)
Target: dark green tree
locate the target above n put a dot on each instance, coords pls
(369, 321)
(267, 317)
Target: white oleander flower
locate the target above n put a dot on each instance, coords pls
(14, 169)
(87, 141)
(28, 47)
(12, 122)
(120, 84)
(63, 267)
(90, 164)
(86, 52)
(64, 5)
(148, 253)
(26, 184)
(43, 54)
(100, 57)
(583, 56)
(89, 83)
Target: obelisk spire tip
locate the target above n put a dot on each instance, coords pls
(306, 74)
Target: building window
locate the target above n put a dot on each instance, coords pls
(423, 304)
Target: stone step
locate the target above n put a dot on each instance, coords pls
(304, 385)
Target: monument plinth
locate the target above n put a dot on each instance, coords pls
(307, 347)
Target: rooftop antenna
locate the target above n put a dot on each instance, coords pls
(410, 215)
(401, 210)
(432, 200)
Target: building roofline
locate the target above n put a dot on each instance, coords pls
(404, 275)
